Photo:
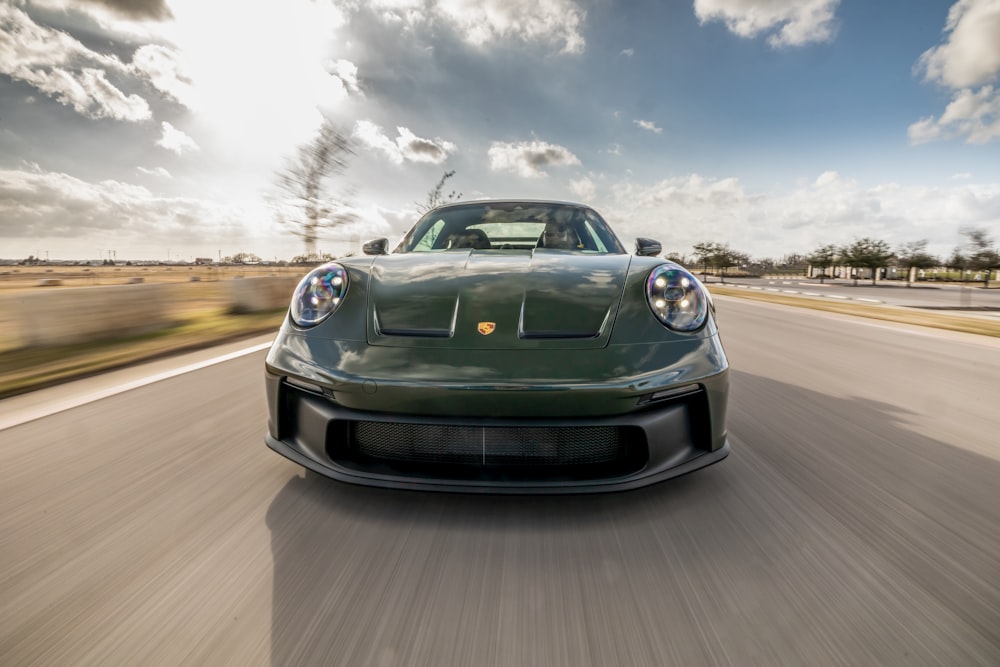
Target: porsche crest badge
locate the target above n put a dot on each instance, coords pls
(486, 328)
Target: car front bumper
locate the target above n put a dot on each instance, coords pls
(538, 437)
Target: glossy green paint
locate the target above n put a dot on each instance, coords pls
(448, 368)
(534, 299)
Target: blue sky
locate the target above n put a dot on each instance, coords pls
(773, 125)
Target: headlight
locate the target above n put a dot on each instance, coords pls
(677, 298)
(318, 295)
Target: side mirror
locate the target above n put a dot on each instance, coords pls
(647, 247)
(376, 247)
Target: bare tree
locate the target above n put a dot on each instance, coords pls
(305, 204)
(436, 197)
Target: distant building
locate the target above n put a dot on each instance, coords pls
(203, 260)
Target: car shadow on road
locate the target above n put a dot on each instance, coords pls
(833, 522)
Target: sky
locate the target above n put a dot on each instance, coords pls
(156, 129)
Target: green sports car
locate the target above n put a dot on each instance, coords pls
(502, 347)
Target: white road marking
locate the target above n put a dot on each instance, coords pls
(868, 300)
(75, 402)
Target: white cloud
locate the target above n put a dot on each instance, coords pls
(968, 57)
(347, 73)
(481, 22)
(649, 126)
(627, 53)
(585, 189)
(41, 204)
(970, 54)
(72, 217)
(406, 146)
(974, 115)
(162, 68)
(64, 69)
(108, 11)
(788, 22)
(156, 171)
(529, 158)
(174, 140)
(831, 209)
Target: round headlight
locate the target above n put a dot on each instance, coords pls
(318, 295)
(677, 298)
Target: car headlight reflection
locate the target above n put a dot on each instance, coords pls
(677, 298)
(318, 295)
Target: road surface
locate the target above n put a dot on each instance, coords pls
(857, 522)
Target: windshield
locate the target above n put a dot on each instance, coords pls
(513, 226)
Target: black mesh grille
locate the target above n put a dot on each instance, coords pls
(490, 445)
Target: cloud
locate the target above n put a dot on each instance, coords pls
(830, 209)
(347, 73)
(649, 126)
(156, 171)
(133, 10)
(788, 22)
(69, 216)
(35, 203)
(584, 188)
(970, 54)
(529, 158)
(162, 68)
(483, 22)
(406, 147)
(974, 115)
(174, 140)
(61, 67)
(968, 57)
(627, 53)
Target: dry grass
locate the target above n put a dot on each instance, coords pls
(33, 368)
(27, 277)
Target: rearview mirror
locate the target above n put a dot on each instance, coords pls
(376, 247)
(647, 247)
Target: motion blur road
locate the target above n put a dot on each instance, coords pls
(856, 522)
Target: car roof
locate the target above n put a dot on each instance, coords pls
(531, 202)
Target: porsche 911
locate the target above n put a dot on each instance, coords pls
(500, 347)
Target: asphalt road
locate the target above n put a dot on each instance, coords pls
(857, 522)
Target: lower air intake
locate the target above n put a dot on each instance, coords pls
(490, 445)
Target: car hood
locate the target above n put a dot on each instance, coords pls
(481, 299)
